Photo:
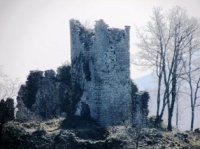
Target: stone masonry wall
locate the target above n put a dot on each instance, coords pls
(101, 69)
(140, 109)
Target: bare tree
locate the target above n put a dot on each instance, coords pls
(164, 45)
(8, 87)
(192, 74)
(154, 44)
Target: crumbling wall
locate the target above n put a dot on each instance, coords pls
(140, 109)
(101, 69)
(96, 86)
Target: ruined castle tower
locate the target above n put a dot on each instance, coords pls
(101, 72)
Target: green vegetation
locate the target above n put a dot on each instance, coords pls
(6, 113)
(134, 89)
(32, 85)
(64, 74)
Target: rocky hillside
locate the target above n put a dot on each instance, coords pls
(86, 134)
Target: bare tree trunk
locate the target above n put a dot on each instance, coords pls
(171, 109)
(192, 119)
(177, 115)
(194, 103)
(158, 119)
(177, 108)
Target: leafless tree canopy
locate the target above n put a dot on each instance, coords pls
(8, 87)
(170, 46)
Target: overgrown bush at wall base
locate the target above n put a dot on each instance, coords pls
(32, 84)
(6, 113)
(46, 94)
(134, 89)
(6, 110)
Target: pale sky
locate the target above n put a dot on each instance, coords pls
(34, 34)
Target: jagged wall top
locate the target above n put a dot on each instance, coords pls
(87, 36)
(101, 67)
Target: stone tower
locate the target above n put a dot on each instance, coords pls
(101, 72)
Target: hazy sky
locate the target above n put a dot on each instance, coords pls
(34, 34)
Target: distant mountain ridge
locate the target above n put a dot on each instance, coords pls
(145, 82)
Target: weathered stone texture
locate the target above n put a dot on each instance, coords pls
(101, 67)
(140, 109)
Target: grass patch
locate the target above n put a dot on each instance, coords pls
(196, 144)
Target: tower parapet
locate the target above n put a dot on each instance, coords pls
(101, 70)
